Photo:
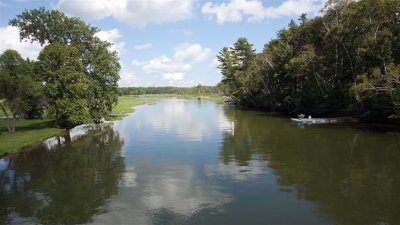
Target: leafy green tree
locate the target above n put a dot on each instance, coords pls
(228, 83)
(66, 84)
(103, 75)
(100, 65)
(344, 62)
(17, 86)
(379, 87)
(234, 62)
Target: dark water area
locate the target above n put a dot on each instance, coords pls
(197, 162)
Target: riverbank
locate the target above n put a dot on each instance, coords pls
(126, 105)
(31, 132)
(28, 132)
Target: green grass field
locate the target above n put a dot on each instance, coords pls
(28, 132)
(125, 105)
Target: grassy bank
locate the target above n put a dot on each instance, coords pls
(125, 105)
(28, 132)
(34, 131)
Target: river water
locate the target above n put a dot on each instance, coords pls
(197, 162)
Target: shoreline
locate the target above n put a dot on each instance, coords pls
(33, 132)
(36, 131)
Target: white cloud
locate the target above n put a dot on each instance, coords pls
(112, 36)
(143, 46)
(128, 79)
(174, 68)
(163, 64)
(9, 39)
(192, 53)
(174, 119)
(136, 62)
(172, 187)
(134, 12)
(130, 176)
(87, 10)
(254, 10)
(215, 62)
(173, 76)
(109, 35)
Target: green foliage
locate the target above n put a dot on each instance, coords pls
(198, 90)
(65, 84)
(345, 62)
(235, 63)
(100, 65)
(18, 87)
(103, 76)
(380, 90)
(51, 26)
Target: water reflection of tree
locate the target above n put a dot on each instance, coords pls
(353, 175)
(63, 186)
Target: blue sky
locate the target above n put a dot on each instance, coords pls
(166, 42)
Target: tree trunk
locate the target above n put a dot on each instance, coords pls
(8, 118)
(14, 124)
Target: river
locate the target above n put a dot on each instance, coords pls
(197, 162)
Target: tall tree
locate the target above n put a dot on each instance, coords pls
(344, 62)
(234, 64)
(100, 64)
(66, 84)
(17, 86)
(228, 83)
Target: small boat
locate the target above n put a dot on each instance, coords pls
(324, 120)
(228, 101)
(308, 121)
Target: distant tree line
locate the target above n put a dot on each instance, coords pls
(74, 80)
(198, 90)
(343, 62)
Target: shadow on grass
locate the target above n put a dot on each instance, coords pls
(27, 125)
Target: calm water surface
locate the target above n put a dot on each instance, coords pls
(196, 162)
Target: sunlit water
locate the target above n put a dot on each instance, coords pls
(197, 162)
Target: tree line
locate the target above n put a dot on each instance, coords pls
(345, 62)
(74, 79)
(198, 90)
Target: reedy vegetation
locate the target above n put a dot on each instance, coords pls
(344, 62)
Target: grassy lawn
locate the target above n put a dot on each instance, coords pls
(217, 99)
(28, 132)
(125, 105)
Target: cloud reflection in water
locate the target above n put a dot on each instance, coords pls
(161, 192)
